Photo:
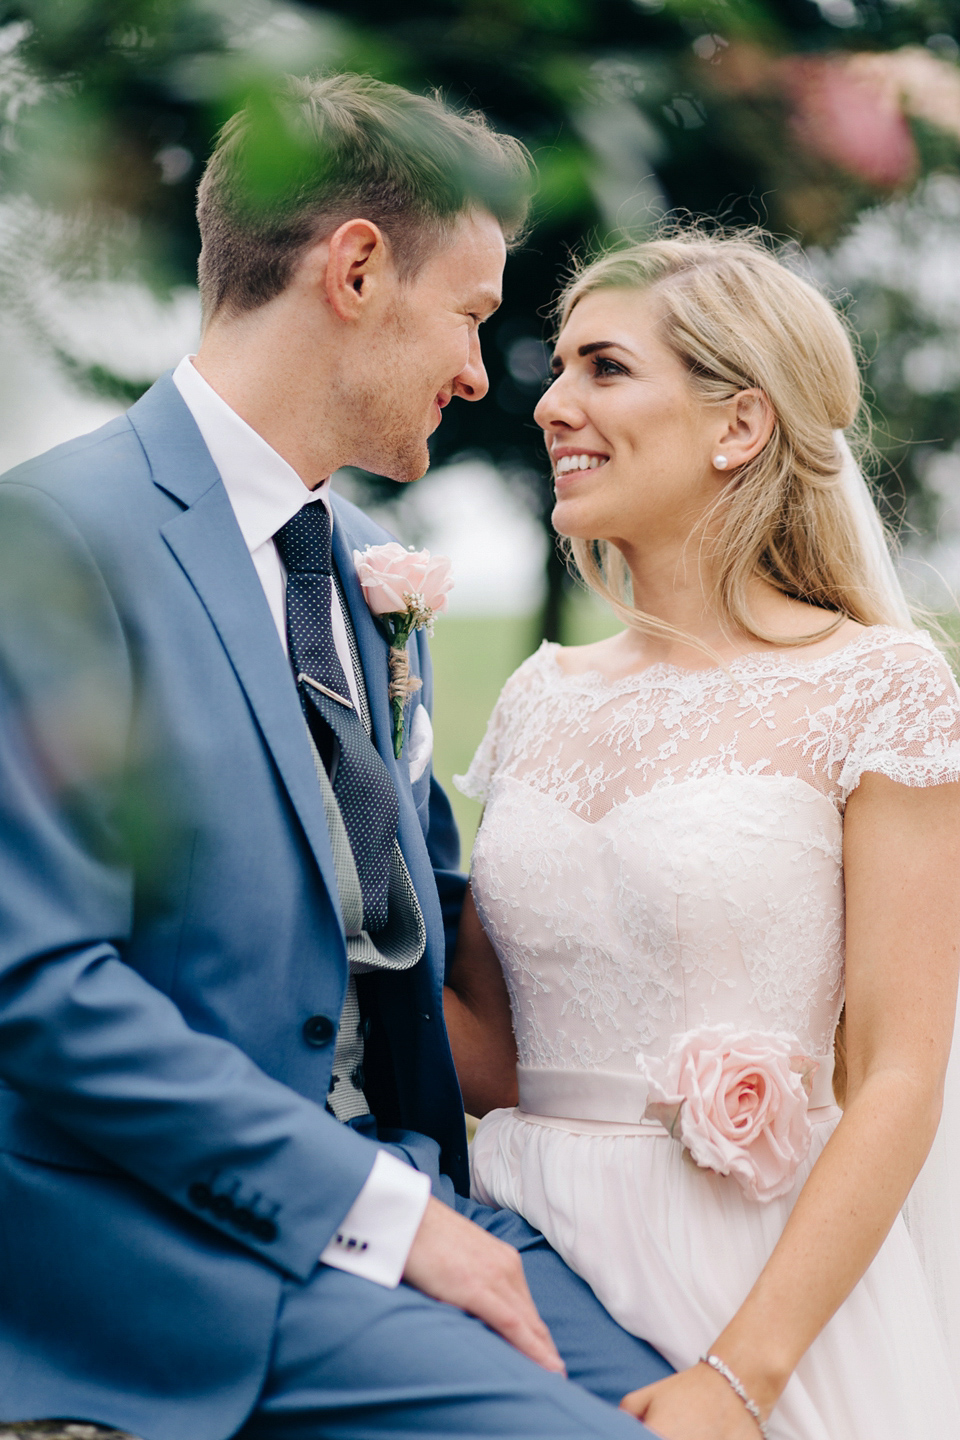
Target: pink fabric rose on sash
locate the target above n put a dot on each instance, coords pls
(738, 1102)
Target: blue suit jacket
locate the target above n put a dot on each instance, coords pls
(167, 927)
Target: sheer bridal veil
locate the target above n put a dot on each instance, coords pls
(932, 1211)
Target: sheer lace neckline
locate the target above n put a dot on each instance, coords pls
(885, 701)
(755, 662)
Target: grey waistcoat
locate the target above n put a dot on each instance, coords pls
(397, 947)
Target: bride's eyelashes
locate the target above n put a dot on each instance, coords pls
(603, 367)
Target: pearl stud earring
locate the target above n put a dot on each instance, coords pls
(720, 462)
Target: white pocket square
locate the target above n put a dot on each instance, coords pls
(420, 744)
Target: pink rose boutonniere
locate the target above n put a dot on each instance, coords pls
(405, 589)
(738, 1102)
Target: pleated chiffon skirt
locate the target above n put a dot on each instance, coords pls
(672, 1251)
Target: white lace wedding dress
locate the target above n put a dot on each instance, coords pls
(663, 853)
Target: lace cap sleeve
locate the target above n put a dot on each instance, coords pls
(905, 722)
(496, 747)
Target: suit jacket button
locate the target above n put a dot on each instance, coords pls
(200, 1195)
(264, 1230)
(243, 1219)
(318, 1031)
(222, 1207)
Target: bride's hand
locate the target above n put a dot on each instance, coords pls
(696, 1404)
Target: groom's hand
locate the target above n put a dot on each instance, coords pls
(454, 1260)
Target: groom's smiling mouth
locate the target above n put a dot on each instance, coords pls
(566, 461)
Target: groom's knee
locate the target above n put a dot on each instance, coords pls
(599, 1354)
(351, 1357)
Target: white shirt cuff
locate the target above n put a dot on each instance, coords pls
(377, 1233)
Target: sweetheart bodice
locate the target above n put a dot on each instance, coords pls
(713, 901)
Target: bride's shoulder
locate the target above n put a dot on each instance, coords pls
(540, 662)
(609, 658)
(891, 702)
(547, 669)
(551, 661)
(530, 676)
(888, 670)
(891, 647)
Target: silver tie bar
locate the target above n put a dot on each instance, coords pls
(331, 694)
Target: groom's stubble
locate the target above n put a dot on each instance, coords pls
(385, 400)
(421, 350)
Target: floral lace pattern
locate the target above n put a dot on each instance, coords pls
(664, 852)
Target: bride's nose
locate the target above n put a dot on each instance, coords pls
(556, 408)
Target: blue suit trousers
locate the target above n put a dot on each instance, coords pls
(354, 1361)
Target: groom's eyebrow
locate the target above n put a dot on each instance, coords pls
(487, 301)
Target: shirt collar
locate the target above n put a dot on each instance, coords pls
(263, 489)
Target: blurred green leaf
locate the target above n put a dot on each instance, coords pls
(630, 107)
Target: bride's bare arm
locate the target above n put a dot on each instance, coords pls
(477, 1011)
(901, 862)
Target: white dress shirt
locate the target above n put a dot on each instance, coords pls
(376, 1234)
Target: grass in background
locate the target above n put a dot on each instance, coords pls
(472, 657)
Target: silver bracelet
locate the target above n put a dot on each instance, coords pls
(753, 1409)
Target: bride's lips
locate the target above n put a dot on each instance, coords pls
(595, 460)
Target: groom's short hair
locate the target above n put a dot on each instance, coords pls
(298, 162)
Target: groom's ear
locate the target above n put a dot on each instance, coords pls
(352, 265)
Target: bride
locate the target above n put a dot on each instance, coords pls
(706, 841)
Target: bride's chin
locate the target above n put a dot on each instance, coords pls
(569, 523)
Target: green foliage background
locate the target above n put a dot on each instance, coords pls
(108, 109)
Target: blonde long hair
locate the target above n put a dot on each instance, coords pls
(738, 319)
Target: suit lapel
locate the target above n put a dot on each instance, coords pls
(207, 543)
(372, 646)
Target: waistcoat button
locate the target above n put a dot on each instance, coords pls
(318, 1031)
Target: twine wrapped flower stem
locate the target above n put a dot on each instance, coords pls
(400, 625)
(404, 589)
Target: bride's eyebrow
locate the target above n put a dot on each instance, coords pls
(596, 345)
(556, 364)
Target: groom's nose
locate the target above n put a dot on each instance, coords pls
(472, 382)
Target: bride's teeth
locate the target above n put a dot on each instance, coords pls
(579, 462)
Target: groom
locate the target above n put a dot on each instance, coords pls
(229, 1120)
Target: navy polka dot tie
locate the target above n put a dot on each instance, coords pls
(360, 780)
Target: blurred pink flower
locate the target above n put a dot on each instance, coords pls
(927, 86)
(737, 1102)
(851, 115)
(853, 109)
